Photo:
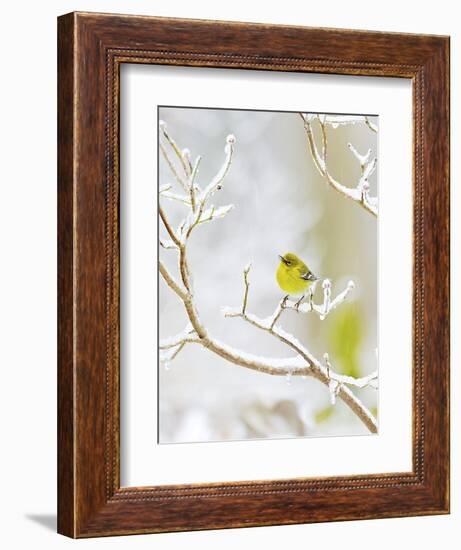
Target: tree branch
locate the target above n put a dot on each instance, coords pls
(302, 363)
(359, 193)
(370, 125)
(171, 282)
(323, 373)
(328, 304)
(168, 227)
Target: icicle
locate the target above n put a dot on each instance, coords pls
(326, 285)
(288, 377)
(333, 386)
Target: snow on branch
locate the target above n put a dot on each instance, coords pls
(300, 361)
(216, 183)
(326, 306)
(342, 120)
(323, 373)
(360, 193)
(170, 347)
(322, 309)
(269, 324)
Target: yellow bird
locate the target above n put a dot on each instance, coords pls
(293, 276)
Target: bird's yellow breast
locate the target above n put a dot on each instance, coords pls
(290, 281)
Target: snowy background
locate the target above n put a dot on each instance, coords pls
(281, 204)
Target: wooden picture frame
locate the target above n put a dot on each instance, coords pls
(91, 49)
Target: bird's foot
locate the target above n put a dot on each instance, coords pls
(298, 303)
(284, 301)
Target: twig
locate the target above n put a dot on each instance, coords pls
(323, 309)
(167, 245)
(172, 167)
(171, 282)
(370, 125)
(183, 156)
(168, 227)
(359, 193)
(247, 287)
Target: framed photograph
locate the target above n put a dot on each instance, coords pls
(253, 275)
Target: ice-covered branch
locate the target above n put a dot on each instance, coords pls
(164, 188)
(360, 192)
(170, 347)
(326, 306)
(177, 197)
(182, 156)
(216, 183)
(370, 125)
(172, 167)
(301, 361)
(307, 306)
(171, 281)
(214, 213)
(199, 212)
(341, 120)
(337, 380)
(168, 227)
(336, 383)
(173, 341)
(167, 245)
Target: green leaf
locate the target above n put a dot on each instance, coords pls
(346, 337)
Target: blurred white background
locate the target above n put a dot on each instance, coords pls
(282, 204)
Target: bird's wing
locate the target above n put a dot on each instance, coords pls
(308, 276)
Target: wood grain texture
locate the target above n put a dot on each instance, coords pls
(66, 471)
(91, 49)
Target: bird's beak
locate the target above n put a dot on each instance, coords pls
(281, 257)
(312, 277)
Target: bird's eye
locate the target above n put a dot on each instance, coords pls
(288, 262)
